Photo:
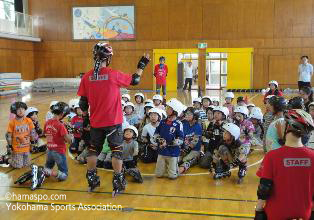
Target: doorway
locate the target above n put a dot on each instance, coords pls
(216, 70)
(183, 61)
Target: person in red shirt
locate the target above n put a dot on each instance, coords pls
(100, 94)
(286, 189)
(273, 90)
(77, 125)
(160, 72)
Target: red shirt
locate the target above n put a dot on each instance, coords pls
(272, 92)
(104, 96)
(160, 74)
(77, 123)
(55, 132)
(292, 172)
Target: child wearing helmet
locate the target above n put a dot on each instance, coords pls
(139, 105)
(157, 101)
(146, 119)
(131, 117)
(228, 152)
(213, 135)
(256, 117)
(246, 136)
(20, 133)
(273, 89)
(169, 137)
(148, 152)
(250, 106)
(286, 174)
(160, 72)
(37, 145)
(126, 98)
(215, 101)
(77, 125)
(192, 130)
(229, 96)
(197, 104)
(275, 131)
(49, 114)
(72, 104)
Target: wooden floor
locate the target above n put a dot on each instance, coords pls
(195, 195)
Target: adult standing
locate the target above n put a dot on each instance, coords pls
(100, 94)
(305, 72)
(160, 72)
(188, 74)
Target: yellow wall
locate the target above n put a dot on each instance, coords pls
(239, 65)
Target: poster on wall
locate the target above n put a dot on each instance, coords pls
(103, 23)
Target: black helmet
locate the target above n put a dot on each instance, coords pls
(102, 51)
(279, 103)
(296, 103)
(299, 121)
(61, 108)
(16, 105)
(195, 113)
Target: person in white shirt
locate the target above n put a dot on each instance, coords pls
(188, 75)
(305, 73)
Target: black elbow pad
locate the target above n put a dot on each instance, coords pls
(84, 103)
(135, 79)
(264, 189)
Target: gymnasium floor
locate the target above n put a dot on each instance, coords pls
(195, 195)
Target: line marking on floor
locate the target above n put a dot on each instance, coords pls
(136, 194)
(139, 209)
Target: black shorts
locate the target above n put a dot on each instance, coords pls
(303, 84)
(114, 136)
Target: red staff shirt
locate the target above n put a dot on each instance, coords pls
(104, 96)
(292, 172)
(161, 74)
(55, 132)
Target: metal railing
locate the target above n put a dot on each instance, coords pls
(23, 24)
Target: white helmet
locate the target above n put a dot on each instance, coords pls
(242, 109)
(229, 95)
(157, 97)
(250, 105)
(157, 111)
(139, 94)
(256, 109)
(163, 113)
(206, 97)
(130, 104)
(73, 102)
(198, 99)
(53, 103)
(76, 106)
(134, 129)
(126, 96)
(222, 109)
(151, 105)
(257, 115)
(233, 129)
(184, 107)
(214, 99)
(269, 96)
(176, 105)
(148, 101)
(30, 110)
(273, 82)
(312, 103)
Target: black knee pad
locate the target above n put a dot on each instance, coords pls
(116, 152)
(92, 151)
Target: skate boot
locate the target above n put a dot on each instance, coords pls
(235, 163)
(92, 179)
(41, 176)
(222, 170)
(118, 183)
(135, 173)
(4, 161)
(23, 178)
(34, 176)
(242, 172)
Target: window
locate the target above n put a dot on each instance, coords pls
(7, 10)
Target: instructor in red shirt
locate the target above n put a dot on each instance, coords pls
(286, 189)
(100, 94)
(160, 72)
